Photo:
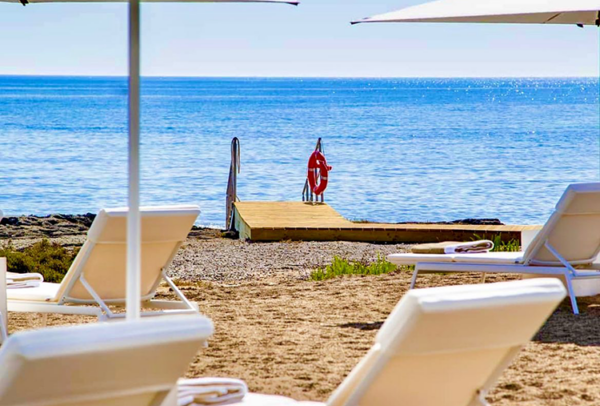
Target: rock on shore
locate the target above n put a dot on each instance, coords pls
(55, 225)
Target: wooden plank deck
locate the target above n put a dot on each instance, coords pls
(277, 221)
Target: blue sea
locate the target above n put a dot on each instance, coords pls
(401, 149)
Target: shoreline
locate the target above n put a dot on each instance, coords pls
(58, 225)
(61, 225)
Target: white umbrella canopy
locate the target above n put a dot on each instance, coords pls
(151, 1)
(577, 12)
(133, 299)
(580, 12)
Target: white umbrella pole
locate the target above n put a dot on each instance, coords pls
(133, 216)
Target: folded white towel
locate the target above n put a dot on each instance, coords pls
(473, 247)
(210, 391)
(23, 280)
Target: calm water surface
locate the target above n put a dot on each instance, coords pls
(401, 149)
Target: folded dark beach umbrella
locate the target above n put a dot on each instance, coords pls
(133, 216)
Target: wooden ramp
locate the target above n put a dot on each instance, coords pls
(277, 221)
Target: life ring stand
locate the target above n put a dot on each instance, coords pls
(317, 162)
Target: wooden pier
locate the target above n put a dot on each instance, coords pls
(300, 221)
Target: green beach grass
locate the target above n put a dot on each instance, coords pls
(49, 259)
(341, 266)
(501, 245)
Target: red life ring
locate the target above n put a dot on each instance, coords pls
(316, 162)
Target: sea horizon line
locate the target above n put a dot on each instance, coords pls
(292, 77)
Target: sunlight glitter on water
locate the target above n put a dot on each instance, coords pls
(401, 149)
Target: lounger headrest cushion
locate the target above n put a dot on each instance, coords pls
(69, 340)
(572, 229)
(475, 316)
(580, 198)
(168, 223)
(120, 363)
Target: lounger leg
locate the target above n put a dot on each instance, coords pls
(479, 399)
(44, 321)
(96, 297)
(166, 399)
(3, 330)
(413, 281)
(483, 277)
(572, 294)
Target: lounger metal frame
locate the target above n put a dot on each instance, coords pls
(100, 307)
(567, 270)
(102, 310)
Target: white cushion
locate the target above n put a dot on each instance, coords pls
(441, 346)
(255, 399)
(45, 293)
(103, 257)
(503, 258)
(572, 229)
(120, 363)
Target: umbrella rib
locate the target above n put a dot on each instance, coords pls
(552, 18)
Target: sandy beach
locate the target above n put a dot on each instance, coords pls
(285, 334)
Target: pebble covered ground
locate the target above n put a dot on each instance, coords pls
(226, 260)
(206, 255)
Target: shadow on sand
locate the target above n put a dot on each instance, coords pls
(562, 327)
(362, 326)
(565, 327)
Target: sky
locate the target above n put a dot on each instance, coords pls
(314, 39)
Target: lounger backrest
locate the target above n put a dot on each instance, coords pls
(103, 364)
(441, 346)
(102, 259)
(573, 229)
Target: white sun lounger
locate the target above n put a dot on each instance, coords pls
(443, 346)
(97, 276)
(107, 364)
(567, 246)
